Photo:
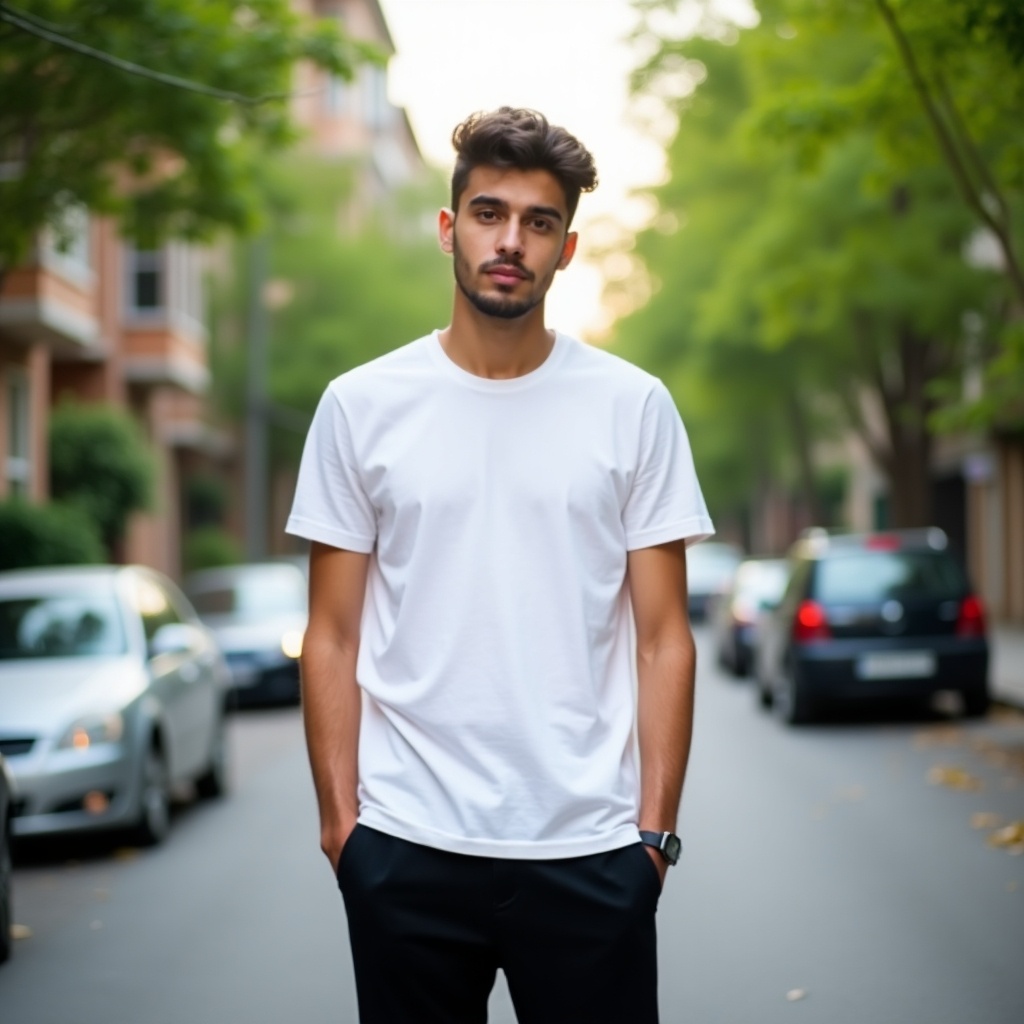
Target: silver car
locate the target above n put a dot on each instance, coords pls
(112, 693)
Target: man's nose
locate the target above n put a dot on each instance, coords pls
(510, 241)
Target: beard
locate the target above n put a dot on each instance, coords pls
(503, 307)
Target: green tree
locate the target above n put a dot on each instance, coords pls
(172, 147)
(99, 463)
(39, 535)
(817, 277)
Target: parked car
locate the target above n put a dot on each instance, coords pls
(6, 817)
(710, 567)
(879, 615)
(258, 614)
(757, 582)
(111, 694)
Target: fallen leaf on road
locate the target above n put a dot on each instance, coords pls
(1011, 886)
(21, 931)
(1010, 836)
(954, 777)
(103, 895)
(985, 819)
(796, 994)
(126, 853)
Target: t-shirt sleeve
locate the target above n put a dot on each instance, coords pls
(665, 501)
(331, 505)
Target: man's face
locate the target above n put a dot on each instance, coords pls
(508, 238)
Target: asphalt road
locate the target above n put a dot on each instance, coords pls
(821, 863)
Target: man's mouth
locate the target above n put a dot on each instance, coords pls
(506, 273)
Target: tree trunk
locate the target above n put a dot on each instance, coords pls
(908, 406)
(805, 458)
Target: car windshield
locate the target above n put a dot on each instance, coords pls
(869, 576)
(710, 566)
(60, 626)
(254, 593)
(761, 581)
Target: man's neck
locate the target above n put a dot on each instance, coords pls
(488, 346)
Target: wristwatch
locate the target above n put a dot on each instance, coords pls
(666, 843)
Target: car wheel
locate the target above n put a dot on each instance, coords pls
(154, 800)
(795, 708)
(765, 697)
(6, 913)
(213, 782)
(976, 701)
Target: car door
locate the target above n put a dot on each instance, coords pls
(205, 675)
(171, 673)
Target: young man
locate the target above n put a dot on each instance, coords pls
(489, 507)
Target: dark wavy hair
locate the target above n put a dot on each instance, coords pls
(522, 139)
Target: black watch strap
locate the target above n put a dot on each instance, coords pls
(666, 843)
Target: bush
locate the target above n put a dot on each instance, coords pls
(210, 547)
(37, 535)
(100, 462)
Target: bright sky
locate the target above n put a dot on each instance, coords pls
(567, 58)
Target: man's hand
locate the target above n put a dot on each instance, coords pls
(659, 862)
(333, 840)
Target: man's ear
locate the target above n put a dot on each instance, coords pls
(446, 230)
(568, 250)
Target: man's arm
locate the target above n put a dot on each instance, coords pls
(666, 662)
(330, 694)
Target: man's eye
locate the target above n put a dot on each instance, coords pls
(487, 215)
(541, 225)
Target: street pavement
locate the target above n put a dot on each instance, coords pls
(836, 874)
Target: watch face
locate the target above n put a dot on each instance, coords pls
(673, 847)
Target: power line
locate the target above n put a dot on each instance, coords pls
(43, 30)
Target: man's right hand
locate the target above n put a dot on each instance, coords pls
(333, 840)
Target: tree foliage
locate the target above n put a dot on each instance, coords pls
(809, 253)
(39, 535)
(165, 159)
(99, 462)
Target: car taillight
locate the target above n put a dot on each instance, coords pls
(971, 620)
(811, 623)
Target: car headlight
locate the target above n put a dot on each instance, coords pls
(93, 730)
(291, 643)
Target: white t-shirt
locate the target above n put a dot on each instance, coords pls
(495, 652)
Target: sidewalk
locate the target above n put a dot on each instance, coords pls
(1007, 664)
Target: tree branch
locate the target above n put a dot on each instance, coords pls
(20, 20)
(948, 146)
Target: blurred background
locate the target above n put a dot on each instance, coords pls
(809, 225)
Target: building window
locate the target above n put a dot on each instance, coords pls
(17, 463)
(146, 284)
(335, 96)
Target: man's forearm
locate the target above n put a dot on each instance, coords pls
(330, 711)
(664, 728)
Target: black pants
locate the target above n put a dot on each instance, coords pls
(575, 937)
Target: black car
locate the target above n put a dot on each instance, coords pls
(257, 612)
(872, 616)
(6, 815)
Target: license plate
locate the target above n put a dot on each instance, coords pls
(897, 665)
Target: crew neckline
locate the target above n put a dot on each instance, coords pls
(504, 384)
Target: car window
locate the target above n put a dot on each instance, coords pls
(154, 605)
(253, 593)
(761, 581)
(870, 576)
(60, 626)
